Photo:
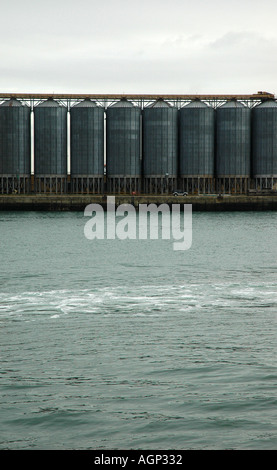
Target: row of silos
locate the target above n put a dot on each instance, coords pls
(191, 146)
(86, 144)
(195, 143)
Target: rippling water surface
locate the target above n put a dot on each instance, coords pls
(111, 344)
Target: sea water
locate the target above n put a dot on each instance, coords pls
(128, 344)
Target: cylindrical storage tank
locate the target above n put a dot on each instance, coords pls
(160, 147)
(50, 146)
(264, 142)
(87, 147)
(197, 150)
(233, 147)
(123, 136)
(15, 147)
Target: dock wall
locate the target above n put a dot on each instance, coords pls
(56, 202)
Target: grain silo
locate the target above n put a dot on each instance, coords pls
(197, 135)
(233, 147)
(15, 147)
(160, 147)
(264, 145)
(50, 147)
(123, 136)
(87, 147)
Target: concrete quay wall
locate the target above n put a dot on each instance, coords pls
(55, 202)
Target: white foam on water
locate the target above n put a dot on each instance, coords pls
(138, 301)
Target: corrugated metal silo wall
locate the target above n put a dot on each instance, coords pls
(264, 139)
(233, 136)
(15, 140)
(197, 128)
(50, 136)
(87, 140)
(160, 141)
(123, 141)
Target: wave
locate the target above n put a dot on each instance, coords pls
(155, 300)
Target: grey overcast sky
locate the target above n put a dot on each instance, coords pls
(141, 46)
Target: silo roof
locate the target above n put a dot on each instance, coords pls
(232, 104)
(160, 104)
(122, 104)
(12, 102)
(50, 103)
(197, 104)
(86, 104)
(267, 104)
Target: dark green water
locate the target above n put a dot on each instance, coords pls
(113, 344)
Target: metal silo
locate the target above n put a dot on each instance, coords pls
(160, 147)
(50, 147)
(197, 135)
(87, 147)
(233, 148)
(123, 134)
(264, 141)
(15, 147)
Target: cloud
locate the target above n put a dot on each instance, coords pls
(152, 46)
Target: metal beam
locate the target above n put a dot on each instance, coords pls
(106, 100)
(112, 97)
